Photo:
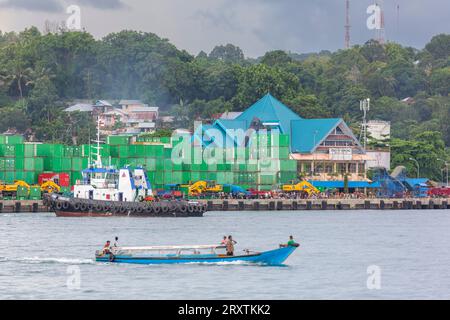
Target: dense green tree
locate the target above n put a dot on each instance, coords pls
(439, 46)
(276, 58)
(227, 53)
(258, 80)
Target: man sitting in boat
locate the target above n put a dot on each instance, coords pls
(290, 243)
(230, 246)
(116, 242)
(107, 248)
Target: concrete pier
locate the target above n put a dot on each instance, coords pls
(11, 206)
(325, 204)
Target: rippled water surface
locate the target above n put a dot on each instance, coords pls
(39, 254)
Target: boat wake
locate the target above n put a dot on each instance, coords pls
(38, 260)
(229, 263)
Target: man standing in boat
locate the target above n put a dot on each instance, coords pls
(230, 246)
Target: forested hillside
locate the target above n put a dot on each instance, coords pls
(40, 73)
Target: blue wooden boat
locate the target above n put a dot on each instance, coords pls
(192, 254)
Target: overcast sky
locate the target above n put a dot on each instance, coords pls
(256, 26)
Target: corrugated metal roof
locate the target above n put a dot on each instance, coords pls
(127, 102)
(416, 181)
(102, 103)
(230, 115)
(146, 125)
(80, 107)
(144, 109)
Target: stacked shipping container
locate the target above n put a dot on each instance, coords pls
(254, 166)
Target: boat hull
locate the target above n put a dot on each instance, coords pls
(74, 207)
(273, 257)
(69, 214)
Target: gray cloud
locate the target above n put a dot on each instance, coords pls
(256, 26)
(33, 5)
(102, 4)
(59, 5)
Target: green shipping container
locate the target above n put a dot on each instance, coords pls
(30, 150)
(7, 139)
(10, 164)
(7, 150)
(288, 165)
(118, 140)
(35, 193)
(124, 151)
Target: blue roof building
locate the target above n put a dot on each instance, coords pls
(325, 149)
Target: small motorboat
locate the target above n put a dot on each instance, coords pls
(192, 254)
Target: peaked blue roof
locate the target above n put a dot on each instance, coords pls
(269, 109)
(306, 134)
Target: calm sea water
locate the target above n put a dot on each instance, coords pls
(39, 254)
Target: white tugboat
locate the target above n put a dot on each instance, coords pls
(106, 191)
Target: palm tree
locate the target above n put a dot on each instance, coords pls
(16, 74)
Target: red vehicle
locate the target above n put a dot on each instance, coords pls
(255, 194)
(61, 179)
(439, 192)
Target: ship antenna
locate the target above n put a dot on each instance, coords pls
(98, 161)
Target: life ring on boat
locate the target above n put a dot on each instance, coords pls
(172, 207)
(191, 208)
(76, 206)
(58, 205)
(90, 206)
(65, 205)
(122, 209)
(98, 207)
(204, 207)
(106, 208)
(165, 208)
(182, 208)
(149, 208)
(157, 208)
(139, 209)
(83, 207)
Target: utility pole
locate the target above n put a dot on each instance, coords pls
(347, 24)
(364, 106)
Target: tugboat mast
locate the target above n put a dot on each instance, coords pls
(98, 160)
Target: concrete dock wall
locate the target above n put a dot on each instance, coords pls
(326, 204)
(10, 206)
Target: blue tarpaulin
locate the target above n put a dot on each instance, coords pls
(340, 184)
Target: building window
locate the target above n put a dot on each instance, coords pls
(329, 168)
(306, 167)
(361, 168)
(319, 168)
(342, 168)
(352, 168)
